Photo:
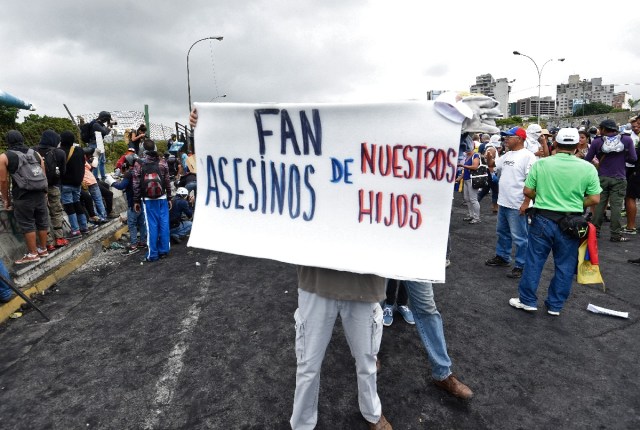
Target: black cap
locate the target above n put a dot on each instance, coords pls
(104, 116)
(609, 124)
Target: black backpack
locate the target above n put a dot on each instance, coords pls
(152, 185)
(86, 132)
(51, 166)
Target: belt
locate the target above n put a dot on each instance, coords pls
(553, 215)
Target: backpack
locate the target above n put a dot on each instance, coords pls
(51, 166)
(152, 186)
(86, 132)
(29, 174)
(479, 177)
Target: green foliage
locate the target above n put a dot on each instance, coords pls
(512, 121)
(595, 108)
(33, 126)
(8, 116)
(634, 103)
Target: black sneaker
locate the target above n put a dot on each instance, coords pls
(131, 249)
(497, 261)
(636, 261)
(516, 273)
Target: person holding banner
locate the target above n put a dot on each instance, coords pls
(323, 294)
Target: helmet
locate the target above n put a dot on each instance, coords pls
(130, 159)
(182, 192)
(104, 116)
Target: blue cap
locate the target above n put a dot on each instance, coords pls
(515, 131)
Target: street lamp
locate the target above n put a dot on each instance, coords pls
(188, 75)
(539, 70)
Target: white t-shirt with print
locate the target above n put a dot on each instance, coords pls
(513, 168)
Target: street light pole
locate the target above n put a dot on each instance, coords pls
(539, 70)
(219, 38)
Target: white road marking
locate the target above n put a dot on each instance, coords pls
(166, 385)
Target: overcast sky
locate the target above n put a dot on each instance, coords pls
(122, 55)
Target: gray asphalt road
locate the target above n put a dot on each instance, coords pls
(180, 345)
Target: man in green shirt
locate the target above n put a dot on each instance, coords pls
(562, 184)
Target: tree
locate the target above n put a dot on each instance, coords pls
(595, 108)
(8, 116)
(634, 103)
(34, 125)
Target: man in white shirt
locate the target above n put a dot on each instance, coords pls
(512, 226)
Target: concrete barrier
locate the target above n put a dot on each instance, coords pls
(39, 276)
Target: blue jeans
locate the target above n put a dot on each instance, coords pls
(511, 228)
(96, 195)
(70, 199)
(545, 236)
(182, 230)
(135, 222)
(429, 325)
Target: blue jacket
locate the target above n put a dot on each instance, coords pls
(178, 207)
(126, 185)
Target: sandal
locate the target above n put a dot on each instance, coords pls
(619, 239)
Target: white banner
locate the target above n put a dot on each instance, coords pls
(99, 143)
(365, 188)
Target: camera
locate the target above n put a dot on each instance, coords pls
(113, 122)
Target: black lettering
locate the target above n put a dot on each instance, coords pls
(308, 136)
(239, 192)
(250, 165)
(212, 181)
(261, 131)
(224, 183)
(309, 170)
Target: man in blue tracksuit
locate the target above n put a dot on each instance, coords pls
(152, 191)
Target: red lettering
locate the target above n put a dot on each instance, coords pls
(392, 212)
(363, 210)
(396, 160)
(403, 210)
(384, 163)
(416, 201)
(368, 158)
(405, 154)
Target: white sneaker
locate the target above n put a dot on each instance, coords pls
(516, 303)
(554, 313)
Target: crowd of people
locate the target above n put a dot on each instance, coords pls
(544, 185)
(58, 190)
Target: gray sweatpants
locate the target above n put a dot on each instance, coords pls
(315, 318)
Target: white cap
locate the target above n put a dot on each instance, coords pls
(567, 136)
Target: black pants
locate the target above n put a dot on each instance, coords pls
(396, 293)
(107, 196)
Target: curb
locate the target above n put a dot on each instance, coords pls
(58, 266)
